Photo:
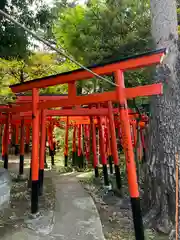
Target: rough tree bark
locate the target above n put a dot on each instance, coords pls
(164, 131)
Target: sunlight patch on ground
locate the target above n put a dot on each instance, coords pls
(66, 174)
(85, 175)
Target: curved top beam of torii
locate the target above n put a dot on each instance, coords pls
(150, 58)
(133, 62)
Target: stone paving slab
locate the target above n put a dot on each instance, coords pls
(76, 215)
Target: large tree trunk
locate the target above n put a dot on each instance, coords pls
(164, 131)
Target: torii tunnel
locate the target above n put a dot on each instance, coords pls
(35, 108)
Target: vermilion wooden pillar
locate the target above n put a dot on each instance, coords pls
(16, 139)
(72, 91)
(94, 148)
(35, 151)
(135, 132)
(135, 128)
(114, 146)
(80, 153)
(6, 143)
(10, 135)
(119, 135)
(51, 145)
(45, 162)
(42, 151)
(74, 154)
(86, 142)
(21, 163)
(109, 152)
(66, 144)
(1, 132)
(3, 141)
(143, 145)
(103, 152)
(129, 154)
(30, 170)
(27, 138)
(1, 136)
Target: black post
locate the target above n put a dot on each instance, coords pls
(52, 159)
(41, 181)
(73, 158)
(21, 159)
(21, 165)
(82, 160)
(34, 196)
(118, 177)
(144, 158)
(96, 171)
(6, 161)
(65, 160)
(16, 152)
(27, 148)
(105, 173)
(45, 162)
(78, 161)
(30, 181)
(30, 174)
(110, 160)
(54, 150)
(51, 153)
(137, 218)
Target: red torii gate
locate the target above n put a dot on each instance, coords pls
(21, 99)
(15, 120)
(120, 95)
(63, 112)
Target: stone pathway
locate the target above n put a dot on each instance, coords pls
(75, 216)
(76, 211)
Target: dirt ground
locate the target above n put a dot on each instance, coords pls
(13, 217)
(115, 212)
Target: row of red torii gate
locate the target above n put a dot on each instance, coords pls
(39, 114)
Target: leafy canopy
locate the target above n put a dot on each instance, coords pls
(37, 65)
(105, 30)
(34, 14)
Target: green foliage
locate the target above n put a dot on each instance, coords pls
(36, 66)
(14, 40)
(9, 72)
(103, 31)
(60, 136)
